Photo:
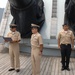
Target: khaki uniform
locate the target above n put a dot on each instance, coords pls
(14, 49)
(66, 38)
(36, 40)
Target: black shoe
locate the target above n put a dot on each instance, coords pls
(11, 69)
(68, 69)
(62, 69)
(18, 70)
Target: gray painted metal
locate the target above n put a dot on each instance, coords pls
(50, 47)
(1, 13)
(48, 51)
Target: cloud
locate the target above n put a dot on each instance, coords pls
(3, 3)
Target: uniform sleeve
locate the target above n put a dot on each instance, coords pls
(40, 40)
(19, 36)
(31, 37)
(59, 36)
(72, 35)
(8, 35)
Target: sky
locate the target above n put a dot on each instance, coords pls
(3, 3)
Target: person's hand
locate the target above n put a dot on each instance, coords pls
(14, 41)
(72, 47)
(59, 47)
(5, 41)
(11, 42)
(40, 53)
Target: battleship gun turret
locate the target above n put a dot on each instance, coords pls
(70, 14)
(26, 12)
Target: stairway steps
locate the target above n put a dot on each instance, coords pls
(53, 32)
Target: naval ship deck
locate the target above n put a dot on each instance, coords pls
(49, 65)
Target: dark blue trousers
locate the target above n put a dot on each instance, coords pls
(65, 54)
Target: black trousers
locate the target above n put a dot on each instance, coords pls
(65, 54)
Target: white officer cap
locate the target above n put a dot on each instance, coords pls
(35, 26)
(13, 25)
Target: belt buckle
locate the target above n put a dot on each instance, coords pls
(66, 44)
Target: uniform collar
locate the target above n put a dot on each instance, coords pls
(64, 30)
(13, 32)
(35, 34)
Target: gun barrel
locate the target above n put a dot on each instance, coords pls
(20, 4)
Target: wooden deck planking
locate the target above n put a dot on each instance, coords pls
(47, 72)
(53, 67)
(59, 66)
(73, 66)
(56, 67)
(49, 65)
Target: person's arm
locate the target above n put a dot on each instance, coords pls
(41, 47)
(59, 40)
(19, 38)
(72, 43)
(7, 36)
(59, 43)
(72, 40)
(41, 43)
